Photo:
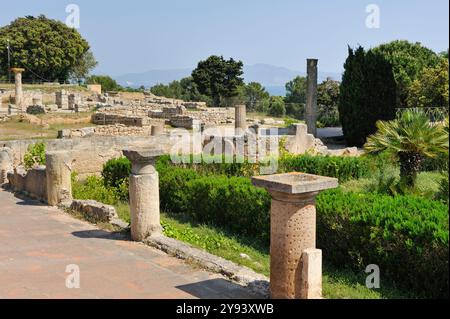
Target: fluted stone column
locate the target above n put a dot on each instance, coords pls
(311, 97)
(144, 193)
(58, 172)
(19, 90)
(295, 263)
(240, 119)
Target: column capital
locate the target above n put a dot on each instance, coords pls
(143, 160)
(294, 186)
(17, 70)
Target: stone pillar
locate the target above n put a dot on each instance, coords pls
(311, 97)
(19, 90)
(157, 129)
(295, 264)
(62, 100)
(240, 119)
(58, 172)
(6, 164)
(144, 193)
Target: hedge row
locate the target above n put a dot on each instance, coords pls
(407, 237)
(343, 168)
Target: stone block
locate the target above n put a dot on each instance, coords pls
(94, 210)
(311, 285)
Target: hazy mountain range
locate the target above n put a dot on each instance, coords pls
(272, 77)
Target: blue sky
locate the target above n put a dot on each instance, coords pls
(140, 35)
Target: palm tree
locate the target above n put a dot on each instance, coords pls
(411, 137)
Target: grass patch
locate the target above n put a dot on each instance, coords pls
(15, 129)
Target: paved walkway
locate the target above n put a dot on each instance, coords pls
(37, 243)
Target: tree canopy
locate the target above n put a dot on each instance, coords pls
(46, 48)
(253, 95)
(107, 83)
(367, 94)
(218, 78)
(408, 60)
(430, 89)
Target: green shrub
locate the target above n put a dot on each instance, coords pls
(232, 203)
(343, 168)
(115, 171)
(94, 189)
(34, 156)
(406, 236)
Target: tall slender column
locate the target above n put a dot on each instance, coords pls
(19, 89)
(295, 263)
(240, 119)
(311, 97)
(144, 193)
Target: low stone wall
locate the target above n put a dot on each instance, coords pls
(112, 119)
(95, 211)
(186, 122)
(31, 183)
(89, 154)
(213, 116)
(107, 130)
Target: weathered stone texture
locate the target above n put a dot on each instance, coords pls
(59, 183)
(31, 183)
(94, 210)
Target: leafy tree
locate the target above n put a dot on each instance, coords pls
(410, 138)
(430, 89)
(253, 94)
(107, 83)
(277, 107)
(85, 65)
(185, 89)
(296, 90)
(408, 60)
(296, 97)
(328, 100)
(218, 78)
(367, 95)
(46, 48)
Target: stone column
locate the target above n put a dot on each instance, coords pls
(6, 164)
(144, 193)
(58, 173)
(240, 119)
(157, 129)
(295, 263)
(62, 100)
(19, 90)
(311, 97)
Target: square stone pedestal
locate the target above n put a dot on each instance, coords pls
(295, 264)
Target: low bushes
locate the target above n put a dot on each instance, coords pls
(343, 168)
(232, 203)
(406, 236)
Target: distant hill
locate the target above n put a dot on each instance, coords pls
(272, 77)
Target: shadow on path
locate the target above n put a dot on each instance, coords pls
(102, 234)
(205, 289)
